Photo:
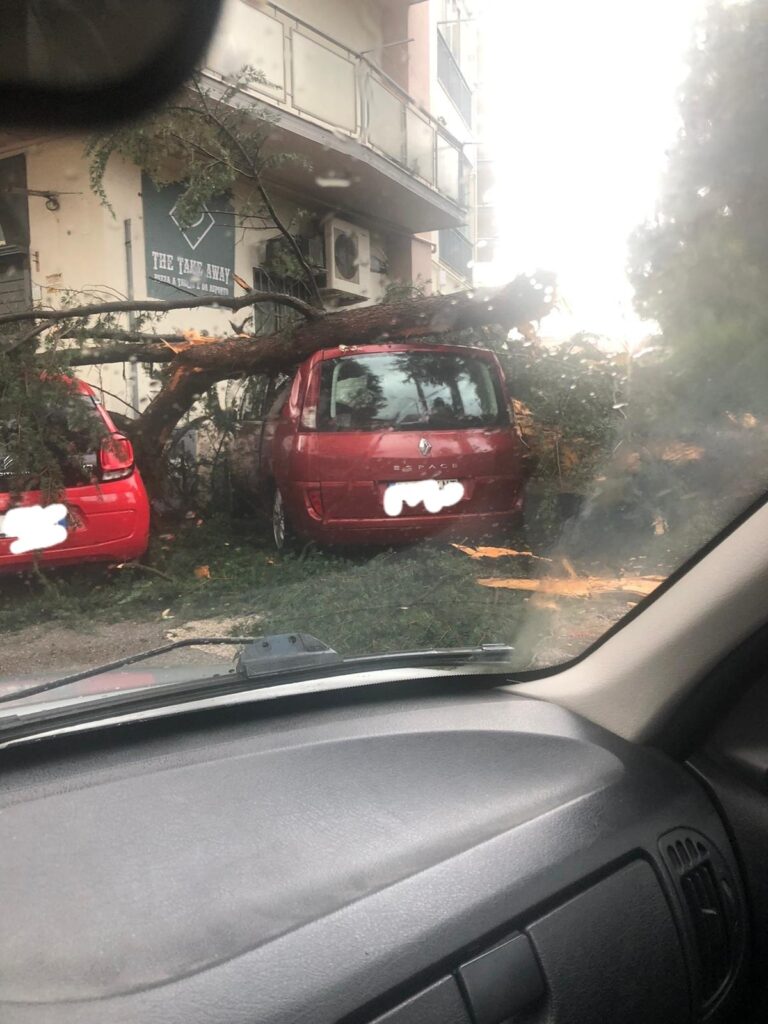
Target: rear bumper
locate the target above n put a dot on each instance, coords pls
(404, 529)
(111, 524)
(341, 533)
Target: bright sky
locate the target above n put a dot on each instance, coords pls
(585, 105)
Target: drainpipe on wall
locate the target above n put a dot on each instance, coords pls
(134, 367)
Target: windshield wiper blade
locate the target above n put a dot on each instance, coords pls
(111, 666)
(265, 657)
(23, 721)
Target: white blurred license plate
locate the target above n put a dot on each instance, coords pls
(434, 495)
(72, 522)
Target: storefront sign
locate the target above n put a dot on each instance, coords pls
(197, 258)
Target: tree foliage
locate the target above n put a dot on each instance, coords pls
(48, 436)
(699, 268)
(210, 139)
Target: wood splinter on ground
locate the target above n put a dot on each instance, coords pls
(572, 585)
(484, 552)
(586, 586)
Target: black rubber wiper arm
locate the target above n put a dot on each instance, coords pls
(97, 670)
(266, 656)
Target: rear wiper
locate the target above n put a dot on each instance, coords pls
(263, 658)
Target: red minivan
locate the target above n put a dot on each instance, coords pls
(387, 444)
(107, 509)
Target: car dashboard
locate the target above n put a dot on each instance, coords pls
(470, 858)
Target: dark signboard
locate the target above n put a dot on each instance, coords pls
(198, 258)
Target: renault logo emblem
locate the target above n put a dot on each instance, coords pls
(424, 446)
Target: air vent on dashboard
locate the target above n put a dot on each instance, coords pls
(709, 900)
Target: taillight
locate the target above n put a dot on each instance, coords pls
(115, 457)
(314, 497)
(311, 399)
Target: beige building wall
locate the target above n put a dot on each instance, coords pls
(357, 24)
(79, 252)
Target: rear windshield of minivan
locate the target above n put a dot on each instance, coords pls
(409, 391)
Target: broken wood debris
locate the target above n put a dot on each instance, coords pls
(486, 552)
(580, 586)
(570, 585)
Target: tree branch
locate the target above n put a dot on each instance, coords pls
(201, 149)
(514, 305)
(161, 306)
(103, 390)
(85, 334)
(120, 354)
(29, 336)
(310, 277)
(252, 171)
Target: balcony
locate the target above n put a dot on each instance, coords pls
(347, 117)
(455, 250)
(450, 76)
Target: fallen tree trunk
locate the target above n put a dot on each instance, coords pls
(152, 431)
(196, 367)
(516, 304)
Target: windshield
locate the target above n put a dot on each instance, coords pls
(408, 391)
(410, 326)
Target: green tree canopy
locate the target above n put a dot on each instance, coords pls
(700, 267)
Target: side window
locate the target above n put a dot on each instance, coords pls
(273, 397)
(280, 399)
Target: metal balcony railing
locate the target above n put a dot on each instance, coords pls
(450, 76)
(456, 251)
(310, 74)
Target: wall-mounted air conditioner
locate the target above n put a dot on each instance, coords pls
(348, 257)
(278, 254)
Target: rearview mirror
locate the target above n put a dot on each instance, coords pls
(82, 63)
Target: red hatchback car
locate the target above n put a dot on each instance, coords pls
(107, 509)
(387, 444)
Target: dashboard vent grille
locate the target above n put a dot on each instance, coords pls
(710, 903)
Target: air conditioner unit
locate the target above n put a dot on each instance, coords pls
(277, 252)
(348, 257)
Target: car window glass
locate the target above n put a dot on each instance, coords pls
(280, 399)
(428, 217)
(407, 391)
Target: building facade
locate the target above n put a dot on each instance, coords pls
(374, 96)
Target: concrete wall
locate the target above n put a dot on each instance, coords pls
(358, 24)
(395, 59)
(422, 54)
